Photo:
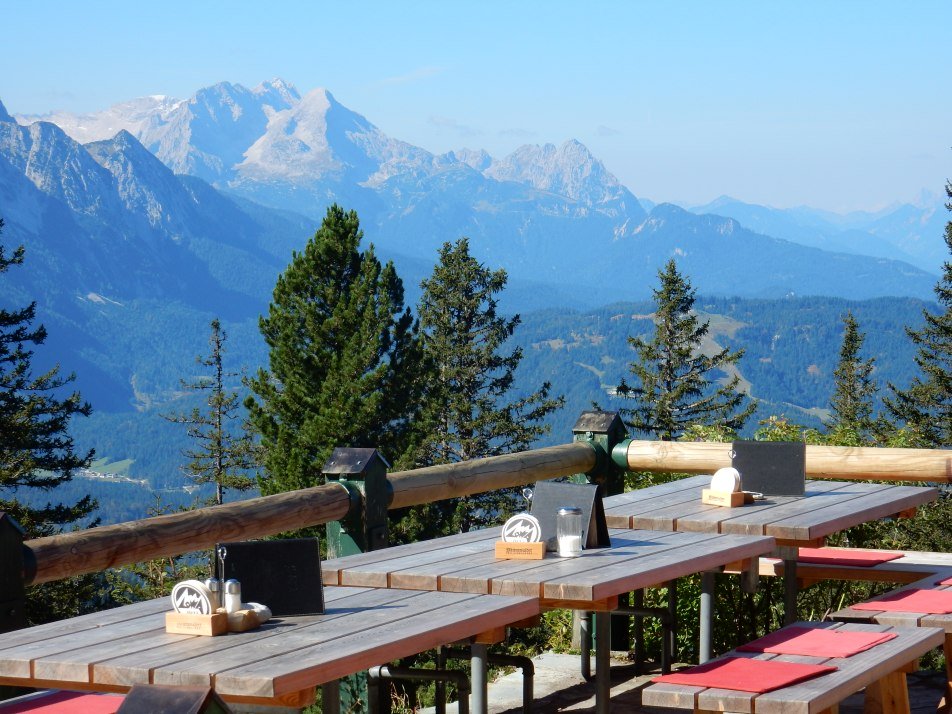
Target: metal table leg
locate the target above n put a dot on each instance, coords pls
(707, 616)
(603, 677)
(790, 589)
(330, 697)
(479, 679)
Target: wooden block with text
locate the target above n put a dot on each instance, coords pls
(722, 498)
(181, 623)
(520, 551)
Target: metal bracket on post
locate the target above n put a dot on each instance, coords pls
(363, 472)
(12, 581)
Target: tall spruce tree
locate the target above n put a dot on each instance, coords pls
(851, 405)
(36, 449)
(344, 359)
(220, 456)
(926, 405)
(469, 411)
(674, 388)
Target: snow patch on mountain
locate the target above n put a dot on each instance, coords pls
(136, 116)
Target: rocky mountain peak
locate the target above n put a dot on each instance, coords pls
(4, 115)
(284, 92)
(569, 170)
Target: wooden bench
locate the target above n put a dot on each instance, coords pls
(911, 619)
(881, 670)
(910, 567)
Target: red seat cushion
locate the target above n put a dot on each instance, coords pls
(846, 556)
(933, 602)
(817, 642)
(745, 675)
(65, 703)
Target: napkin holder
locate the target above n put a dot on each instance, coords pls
(725, 489)
(521, 539)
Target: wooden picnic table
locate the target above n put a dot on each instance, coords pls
(466, 563)
(881, 669)
(279, 663)
(912, 619)
(826, 507)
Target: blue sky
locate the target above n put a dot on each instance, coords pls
(839, 105)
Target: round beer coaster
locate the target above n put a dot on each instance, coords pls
(522, 528)
(192, 597)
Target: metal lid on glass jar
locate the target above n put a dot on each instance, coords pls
(570, 511)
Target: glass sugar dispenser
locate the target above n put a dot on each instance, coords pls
(569, 532)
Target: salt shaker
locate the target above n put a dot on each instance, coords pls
(214, 586)
(569, 531)
(232, 595)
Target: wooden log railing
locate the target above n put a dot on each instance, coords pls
(839, 462)
(97, 549)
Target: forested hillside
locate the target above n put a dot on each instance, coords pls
(792, 346)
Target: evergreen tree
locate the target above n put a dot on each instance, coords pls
(852, 402)
(469, 412)
(220, 457)
(926, 406)
(674, 388)
(36, 450)
(344, 359)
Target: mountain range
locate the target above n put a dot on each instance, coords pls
(145, 220)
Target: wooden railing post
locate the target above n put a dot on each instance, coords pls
(363, 472)
(602, 430)
(12, 586)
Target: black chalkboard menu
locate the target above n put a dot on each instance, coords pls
(549, 496)
(285, 575)
(773, 468)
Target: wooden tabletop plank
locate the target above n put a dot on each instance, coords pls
(331, 568)
(138, 667)
(361, 623)
(780, 508)
(635, 496)
(459, 617)
(79, 623)
(405, 571)
(620, 509)
(655, 568)
(15, 662)
(753, 518)
(868, 502)
(526, 576)
(752, 515)
(827, 507)
(149, 649)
